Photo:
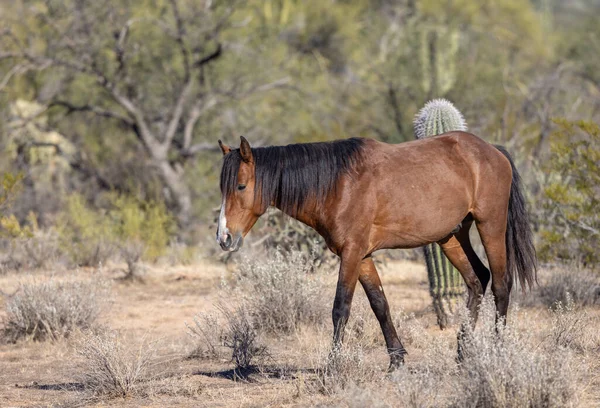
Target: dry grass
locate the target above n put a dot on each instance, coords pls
(281, 292)
(580, 285)
(52, 309)
(344, 367)
(543, 358)
(503, 367)
(109, 368)
(38, 251)
(232, 329)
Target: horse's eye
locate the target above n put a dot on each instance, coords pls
(241, 187)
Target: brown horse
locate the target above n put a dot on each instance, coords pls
(362, 195)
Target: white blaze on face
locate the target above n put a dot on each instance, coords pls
(222, 226)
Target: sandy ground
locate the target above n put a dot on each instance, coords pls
(43, 374)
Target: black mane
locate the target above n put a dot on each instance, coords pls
(288, 175)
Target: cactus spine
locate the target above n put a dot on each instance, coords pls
(436, 117)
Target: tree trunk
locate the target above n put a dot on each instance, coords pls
(180, 193)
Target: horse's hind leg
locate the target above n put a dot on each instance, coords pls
(459, 251)
(493, 235)
(369, 279)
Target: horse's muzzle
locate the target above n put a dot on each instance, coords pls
(230, 243)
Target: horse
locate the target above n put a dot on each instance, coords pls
(362, 195)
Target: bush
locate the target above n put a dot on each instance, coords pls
(502, 368)
(52, 309)
(231, 329)
(145, 222)
(343, 368)
(571, 221)
(90, 236)
(573, 328)
(281, 292)
(28, 246)
(580, 285)
(85, 234)
(109, 369)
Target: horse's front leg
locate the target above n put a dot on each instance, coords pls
(349, 270)
(371, 283)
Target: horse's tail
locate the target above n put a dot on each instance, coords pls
(521, 261)
(436, 117)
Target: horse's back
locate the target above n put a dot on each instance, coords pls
(421, 190)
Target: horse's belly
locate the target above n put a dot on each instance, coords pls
(413, 227)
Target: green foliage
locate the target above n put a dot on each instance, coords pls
(10, 186)
(289, 71)
(85, 233)
(10, 225)
(147, 222)
(91, 236)
(571, 220)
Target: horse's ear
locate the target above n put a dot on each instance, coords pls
(224, 148)
(245, 150)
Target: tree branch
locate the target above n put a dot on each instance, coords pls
(177, 113)
(179, 39)
(213, 55)
(94, 109)
(199, 147)
(197, 110)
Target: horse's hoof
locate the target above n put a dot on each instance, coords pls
(395, 363)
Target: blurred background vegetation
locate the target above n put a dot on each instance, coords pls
(110, 110)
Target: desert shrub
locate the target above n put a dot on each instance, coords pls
(572, 328)
(278, 231)
(28, 245)
(91, 236)
(52, 309)
(280, 292)
(570, 220)
(85, 234)
(207, 332)
(580, 285)
(242, 338)
(362, 325)
(147, 223)
(131, 253)
(109, 368)
(502, 367)
(232, 330)
(9, 187)
(344, 367)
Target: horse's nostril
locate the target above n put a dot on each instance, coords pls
(228, 240)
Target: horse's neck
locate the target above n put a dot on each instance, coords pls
(308, 215)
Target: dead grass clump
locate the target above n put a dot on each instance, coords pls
(363, 325)
(207, 333)
(581, 285)
(231, 330)
(109, 369)
(572, 328)
(35, 251)
(52, 309)
(281, 292)
(345, 367)
(132, 252)
(242, 338)
(504, 367)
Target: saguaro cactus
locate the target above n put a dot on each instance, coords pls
(445, 284)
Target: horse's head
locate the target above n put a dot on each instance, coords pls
(239, 209)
